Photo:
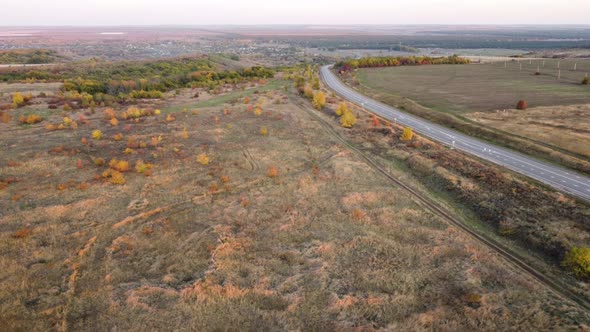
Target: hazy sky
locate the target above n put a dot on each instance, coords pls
(148, 12)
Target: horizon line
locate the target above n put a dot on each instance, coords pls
(302, 24)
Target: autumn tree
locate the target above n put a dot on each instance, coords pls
(407, 134)
(319, 100)
(347, 120)
(577, 260)
(342, 108)
(17, 99)
(316, 83)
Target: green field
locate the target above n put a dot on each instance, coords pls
(483, 87)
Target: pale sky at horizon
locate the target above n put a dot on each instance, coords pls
(186, 12)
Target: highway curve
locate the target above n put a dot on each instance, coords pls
(562, 179)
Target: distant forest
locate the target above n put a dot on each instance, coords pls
(524, 39)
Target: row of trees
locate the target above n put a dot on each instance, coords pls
(307, 83)
(389, 61)
(155, 85)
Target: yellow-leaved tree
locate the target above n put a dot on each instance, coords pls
(319, 100)
(347, 120)
(407, 134)
(577, 260)
(17, 99)
(342, 108)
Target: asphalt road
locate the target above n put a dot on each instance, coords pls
(557, 177)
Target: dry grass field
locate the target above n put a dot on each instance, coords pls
(567, 127)
(35, 88)
(517, 209)
(226, 226)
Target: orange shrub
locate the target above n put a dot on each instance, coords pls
(521, 105)
(156, 140)
(117, 178)
(109, 113)
(83, 119)
(213, 187)
(21, 233)
(30, 119)
(272, 172)
(358, 214)
(119, 165)
(203, 159)
(51, 127)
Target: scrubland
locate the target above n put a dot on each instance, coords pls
(195, 218)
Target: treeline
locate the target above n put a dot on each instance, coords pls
(136, 79)
(364, 45)
(389, 61)
(522, 40)
(205, 78)
(40, 56)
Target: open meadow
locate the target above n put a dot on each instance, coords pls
(488, 87)
(234, 212)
